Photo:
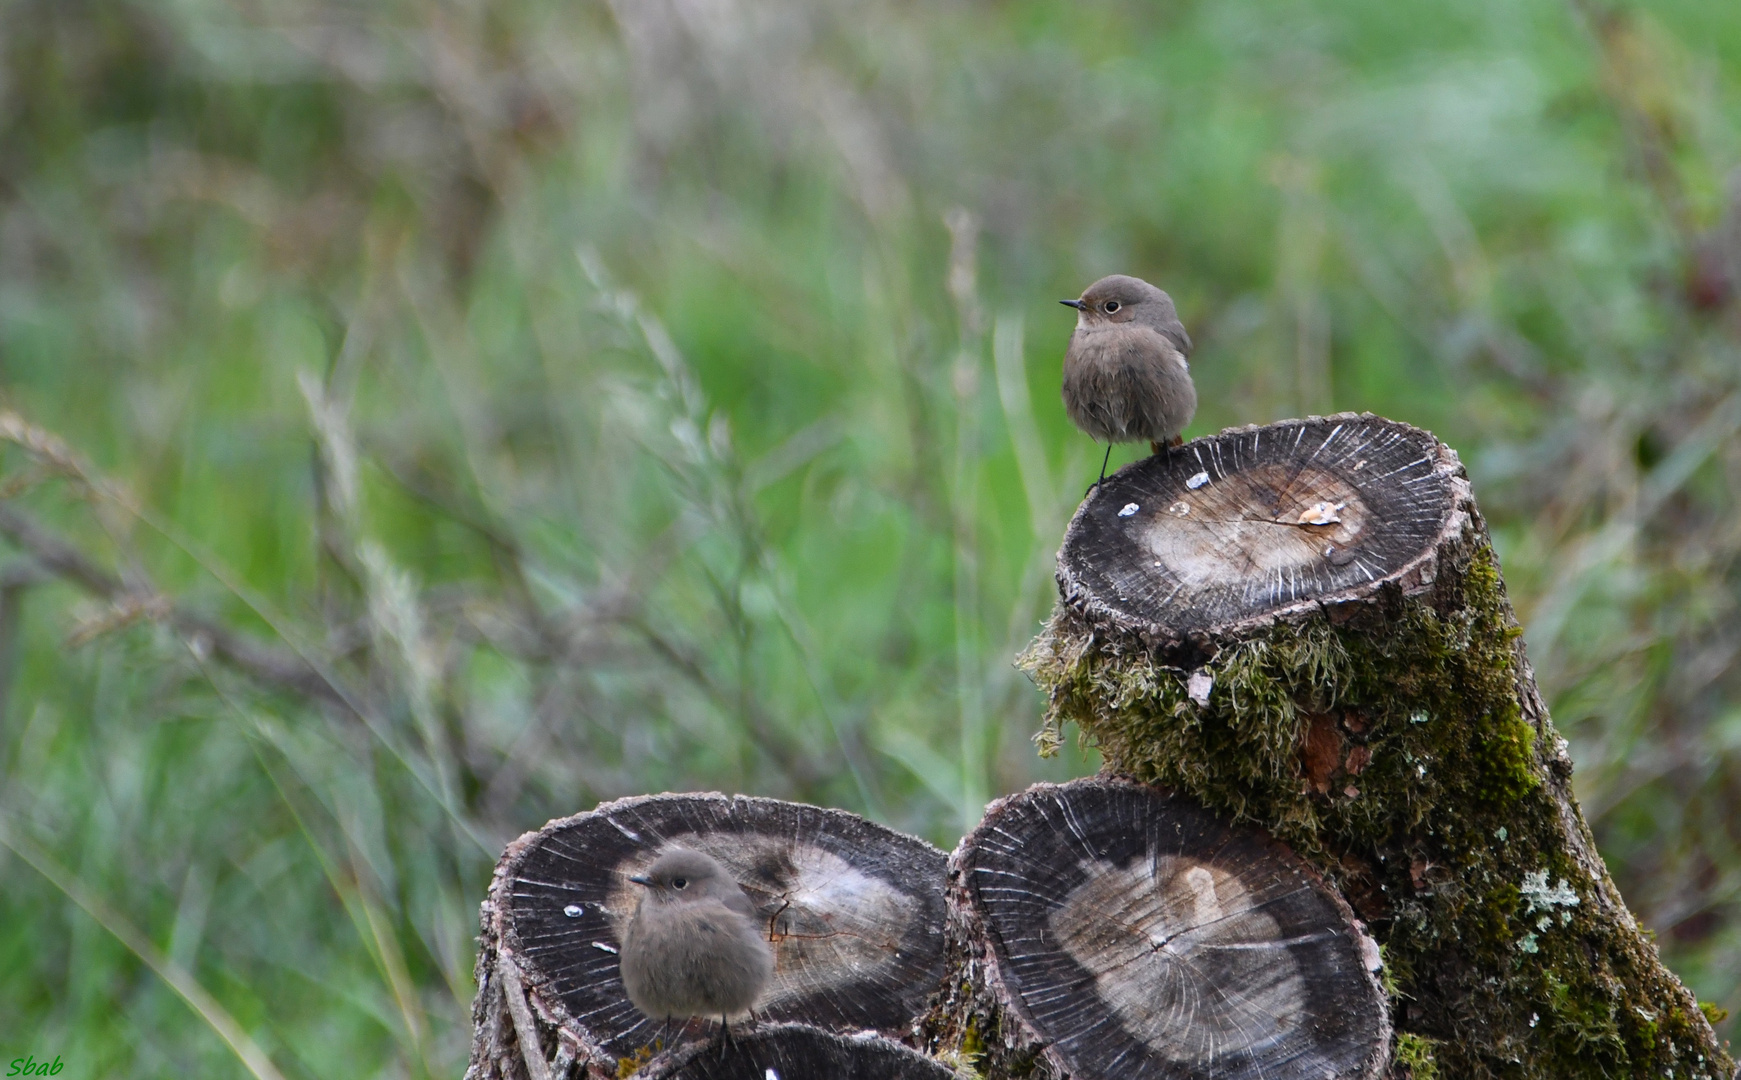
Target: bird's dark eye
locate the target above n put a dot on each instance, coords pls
(680, 883)
(1112, 306)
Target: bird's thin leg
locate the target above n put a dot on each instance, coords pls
(1102, 479)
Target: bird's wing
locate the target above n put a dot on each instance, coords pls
(1140, 345)
(1175, 332)
(736, 899)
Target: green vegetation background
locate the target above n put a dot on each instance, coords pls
(661, 394)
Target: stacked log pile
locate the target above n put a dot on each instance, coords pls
(1321, 733)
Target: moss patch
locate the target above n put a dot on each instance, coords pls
(1414, 1058)
(1389, 749)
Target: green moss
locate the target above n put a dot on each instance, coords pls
(967, 1059)
(1447, 837)
(627, 1067)
(964, 1029)
(1414, 1053)
(972, 1046)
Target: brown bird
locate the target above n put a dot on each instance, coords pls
(1125, 375)
(693, 947)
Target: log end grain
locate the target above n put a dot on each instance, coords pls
(798, 1052)
(853, 910)
(1258, 522)
(1131, 934)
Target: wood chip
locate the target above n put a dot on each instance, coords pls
(1322, 513)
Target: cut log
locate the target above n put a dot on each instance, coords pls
(855, 913)
(1240, 528)
(798, 1052)
(1114, 932)
(1303, 626)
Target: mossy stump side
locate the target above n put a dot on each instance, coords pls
(1304, 626)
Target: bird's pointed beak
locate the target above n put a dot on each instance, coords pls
(639, 880)
(1077, 304)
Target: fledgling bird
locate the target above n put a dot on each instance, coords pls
(1125, 375)
(693, 947)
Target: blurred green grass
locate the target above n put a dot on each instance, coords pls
(635, 396)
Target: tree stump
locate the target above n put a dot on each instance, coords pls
(1114, 932)
(1303, 626)
(855, 913)
(798, 1052)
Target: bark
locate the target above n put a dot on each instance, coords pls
(855, 912)
(1303, 627)
(1105, 929)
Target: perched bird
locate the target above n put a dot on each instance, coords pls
(1125, 376)
(693, 947)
